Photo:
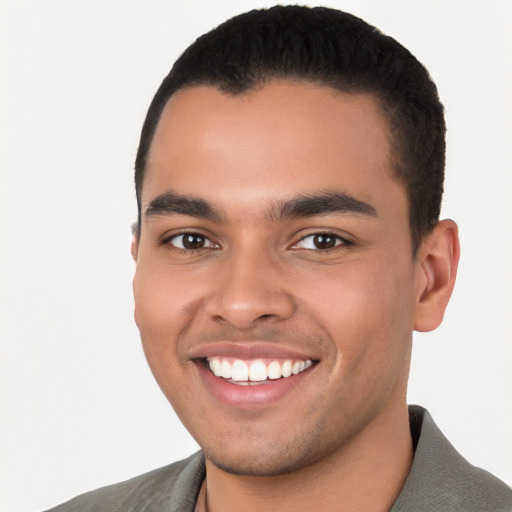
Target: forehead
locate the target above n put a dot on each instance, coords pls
(281, 139)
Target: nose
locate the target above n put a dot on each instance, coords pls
(249, 290)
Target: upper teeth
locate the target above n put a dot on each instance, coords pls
(239, 370)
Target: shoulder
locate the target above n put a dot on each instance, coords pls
(442, 480)
(173, 487)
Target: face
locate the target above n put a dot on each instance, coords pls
(275, 287)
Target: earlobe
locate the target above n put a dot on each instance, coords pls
(438, 260)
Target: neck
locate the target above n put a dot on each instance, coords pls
(368, 474)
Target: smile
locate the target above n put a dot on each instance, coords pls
(239, 371)
(252, 376)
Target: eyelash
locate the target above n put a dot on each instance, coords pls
(168, 241)
(339, 241)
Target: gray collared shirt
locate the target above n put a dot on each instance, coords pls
(440, 480)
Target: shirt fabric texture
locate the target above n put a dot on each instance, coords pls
(440, 480)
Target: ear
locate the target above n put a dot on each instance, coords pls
(438, 259)
(134, 248)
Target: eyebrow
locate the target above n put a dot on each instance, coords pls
(171, 203)
(302, 205)
(324, 203)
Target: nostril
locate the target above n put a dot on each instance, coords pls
(243, 304)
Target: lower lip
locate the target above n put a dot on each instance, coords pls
(252, 395)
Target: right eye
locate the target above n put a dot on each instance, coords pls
(191, 241)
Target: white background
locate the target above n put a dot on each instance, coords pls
(79, 408)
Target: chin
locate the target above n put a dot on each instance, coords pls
(256, 468)
(278, 460)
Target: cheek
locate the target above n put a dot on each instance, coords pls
(157, 316)
(162, 298)
(364, 305)
(161, 319)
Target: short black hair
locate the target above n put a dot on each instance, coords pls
(332, 48)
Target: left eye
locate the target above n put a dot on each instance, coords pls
(320, 241)
(191, 241)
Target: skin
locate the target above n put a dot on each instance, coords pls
(341, 437)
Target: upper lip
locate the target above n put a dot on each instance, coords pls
(248, 350)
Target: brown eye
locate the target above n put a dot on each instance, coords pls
(324, 241)
(321, 242)
(191, 241)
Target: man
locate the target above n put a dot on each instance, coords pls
(289, 180)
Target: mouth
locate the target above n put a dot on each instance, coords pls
(256, 371)
(252, 376)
